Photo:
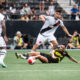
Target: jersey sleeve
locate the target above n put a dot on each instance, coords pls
(1, 18)
(61, 23)
(67, 54)
(47, 17)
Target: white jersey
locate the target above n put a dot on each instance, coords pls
(50, 26)
(1, 18)
(2, 42)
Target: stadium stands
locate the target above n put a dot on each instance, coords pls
(65, 5)
(32, 4)
(78, 2)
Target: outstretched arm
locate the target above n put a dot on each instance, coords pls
(66, 31)
(42, 18)
(74, 60)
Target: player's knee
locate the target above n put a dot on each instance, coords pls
(36, 46)
(3, 51)
(56, 44)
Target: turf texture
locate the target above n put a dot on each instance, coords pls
(19, 69)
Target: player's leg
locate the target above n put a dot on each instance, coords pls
(2, 56)
(78, 47)
(55, 44)
(53, 41)
(35, 54)
(3, 52)
(40, 40)
(34, 48)
(41, 58)
(71, 45)
(26, 55)
(22, 56)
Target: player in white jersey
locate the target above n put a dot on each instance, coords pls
(48, 29)
(2, 40)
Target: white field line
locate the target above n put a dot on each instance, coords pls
(12, 71)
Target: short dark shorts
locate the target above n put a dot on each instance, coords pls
(50, 59)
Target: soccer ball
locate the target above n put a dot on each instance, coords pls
(31, 60)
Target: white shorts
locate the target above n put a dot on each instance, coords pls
(41, 39)
(2, 42)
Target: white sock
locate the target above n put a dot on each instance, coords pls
(32, 51)
(24, 57)
(2, 54)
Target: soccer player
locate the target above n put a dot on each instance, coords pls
(56, 56)
(74, 41)
(48, 29)
(2, 41)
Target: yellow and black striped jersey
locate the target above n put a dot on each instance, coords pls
(60, 55)
(75, 41)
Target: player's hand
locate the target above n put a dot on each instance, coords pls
(78, 61)
(6, 39)
(70, 35)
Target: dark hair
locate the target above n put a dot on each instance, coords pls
(64, 45)
(1, 7)
(58, 10)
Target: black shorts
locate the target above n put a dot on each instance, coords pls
(50, 59)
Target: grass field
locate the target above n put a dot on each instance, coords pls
(19, 69)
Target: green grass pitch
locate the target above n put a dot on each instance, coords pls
(19, 69)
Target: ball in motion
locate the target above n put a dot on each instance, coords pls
(31, 60)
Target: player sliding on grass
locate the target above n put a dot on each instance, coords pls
(56, 56)
(48, 29)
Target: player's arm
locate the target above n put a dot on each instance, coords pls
(64, 28)
(42, 18)
(66, 31)
(4, 30)
(71, 39)
(52, 54)
(71, 58)
(74, 60)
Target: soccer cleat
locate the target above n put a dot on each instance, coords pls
(3, 65)
(16, 54)
(22, 56)
(26, 55)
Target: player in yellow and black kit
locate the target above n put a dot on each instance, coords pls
(74, 41)
(56, 55)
